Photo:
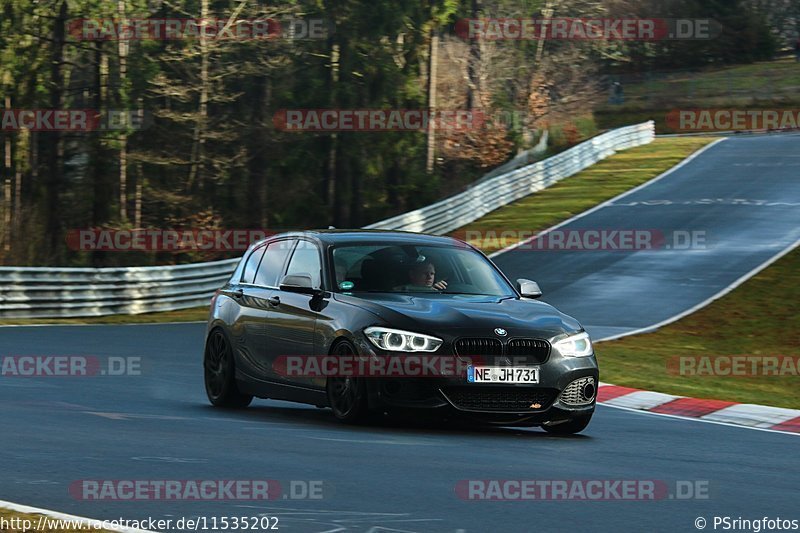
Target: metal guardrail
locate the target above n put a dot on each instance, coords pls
(528, 157)
(470, 205)
(41, 292)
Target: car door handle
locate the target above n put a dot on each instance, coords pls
(274, 301)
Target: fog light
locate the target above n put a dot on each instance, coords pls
(580, 392)
(588, 390)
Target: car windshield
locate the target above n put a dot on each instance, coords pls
(412, 268)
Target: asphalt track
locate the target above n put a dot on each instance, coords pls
(401, 476)
(741, 196)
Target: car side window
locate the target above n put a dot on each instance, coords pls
(252, 265)
(271, 267)
(305, 260)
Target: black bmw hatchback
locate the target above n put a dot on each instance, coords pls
(373, 322)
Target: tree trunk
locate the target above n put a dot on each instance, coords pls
(342, 173)
(122, 49)
(198, 149)
(474, 85)
(433, 68)
(137, 208)
(7, 201)
(257, 212)
(547, 14)
(16, 222)
(33, 160)
(356, 176)
(334, 206)
(102, 196)
(55, 150)
(393, 176)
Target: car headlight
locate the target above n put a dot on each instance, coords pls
(578, 345)
(395, 340)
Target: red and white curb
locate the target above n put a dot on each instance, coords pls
(718, 411)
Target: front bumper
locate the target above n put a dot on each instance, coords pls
(549, 401)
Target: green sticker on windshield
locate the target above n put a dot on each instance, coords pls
(347, 285)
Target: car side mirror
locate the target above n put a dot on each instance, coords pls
(528, 288)
(301, 283)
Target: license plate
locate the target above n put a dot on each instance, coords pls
(502, 374)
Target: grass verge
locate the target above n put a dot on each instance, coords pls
(195, 314)
(760, 318)
(763, 85)
(603, 181)
(765, 80)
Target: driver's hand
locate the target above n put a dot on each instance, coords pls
(440, 286)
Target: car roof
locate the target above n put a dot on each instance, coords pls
(340, 236)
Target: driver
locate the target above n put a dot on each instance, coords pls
(422, 276)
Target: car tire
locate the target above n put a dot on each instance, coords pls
(576, 425)
(347, 396)
(219, 373)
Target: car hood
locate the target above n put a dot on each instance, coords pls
(463, 314)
